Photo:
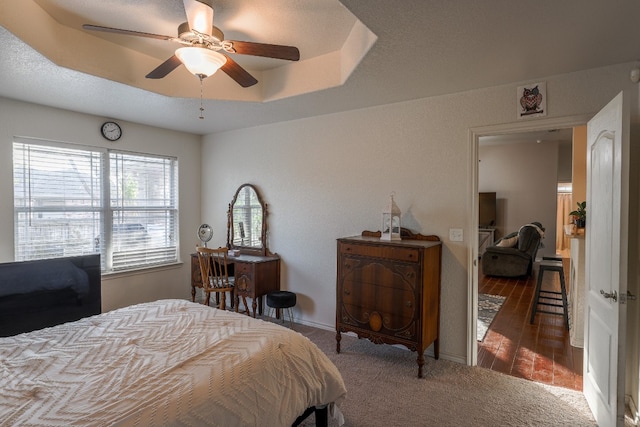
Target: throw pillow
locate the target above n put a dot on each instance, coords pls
(509, 242)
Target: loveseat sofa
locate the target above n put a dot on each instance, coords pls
(515, 253)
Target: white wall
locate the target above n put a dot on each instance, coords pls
(118, 290)
(330, 176)
(524, 177)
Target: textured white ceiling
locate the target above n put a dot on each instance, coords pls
(324, 24)
(424, 48)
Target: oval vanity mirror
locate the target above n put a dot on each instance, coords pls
(246, 222)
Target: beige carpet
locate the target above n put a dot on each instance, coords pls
(383, 390)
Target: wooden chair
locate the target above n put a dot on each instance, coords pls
(215, 276)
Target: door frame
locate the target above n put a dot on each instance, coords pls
(472, 266)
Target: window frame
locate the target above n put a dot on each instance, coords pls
(138, 259)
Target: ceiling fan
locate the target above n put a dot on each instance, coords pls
(204, 49)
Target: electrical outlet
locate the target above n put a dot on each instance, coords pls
(455, 234)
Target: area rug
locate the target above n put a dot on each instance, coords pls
(488, 307)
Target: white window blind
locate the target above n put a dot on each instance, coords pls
(144, 212)
(71, 201)
(57, 200)
(248, 214)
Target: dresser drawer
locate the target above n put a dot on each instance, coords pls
(244, 284)
(196, 273)
(243, 268)
(244, 278)
(385, 252)
(380, 272)
(398, 305)
(385, 323)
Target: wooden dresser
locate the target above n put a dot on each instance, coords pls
(389, 291)
(255, 276)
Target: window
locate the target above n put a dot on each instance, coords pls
(565, 187)
(75, 201)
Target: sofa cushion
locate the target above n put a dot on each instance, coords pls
(529, 238)
(508, 242)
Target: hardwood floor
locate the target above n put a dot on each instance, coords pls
(540, 352)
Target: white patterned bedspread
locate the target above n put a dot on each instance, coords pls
(169, 362)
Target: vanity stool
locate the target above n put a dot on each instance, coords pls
(556, 299)
(282, 300)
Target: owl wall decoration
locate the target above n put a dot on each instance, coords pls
(532, 100)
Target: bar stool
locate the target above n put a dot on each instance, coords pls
(558, 299)
(282, 300)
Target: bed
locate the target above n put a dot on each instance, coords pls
(168, 362)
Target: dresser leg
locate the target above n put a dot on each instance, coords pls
(420, 364)
(338, 338)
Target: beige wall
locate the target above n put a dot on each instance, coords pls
(34, 121)
(579, 165)
(565, 156)
(330, 176)
(524, 177)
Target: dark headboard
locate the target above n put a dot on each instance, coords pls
(42, 293)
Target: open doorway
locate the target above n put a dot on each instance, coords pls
(523, 170)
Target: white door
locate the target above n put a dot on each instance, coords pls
(606, 262)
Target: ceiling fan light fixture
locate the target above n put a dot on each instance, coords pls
(201, 61)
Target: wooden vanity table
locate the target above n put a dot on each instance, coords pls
(256, 270)
(255, 276)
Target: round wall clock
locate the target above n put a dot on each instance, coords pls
(111, 131)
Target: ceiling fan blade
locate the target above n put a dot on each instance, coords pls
(237, 73)
(165, 68)
(290, 53)
(199, 14)
(125, 32)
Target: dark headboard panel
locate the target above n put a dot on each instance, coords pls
(42, 293)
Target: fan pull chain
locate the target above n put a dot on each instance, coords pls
(201, 107)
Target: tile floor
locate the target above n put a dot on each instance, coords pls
(540, 352)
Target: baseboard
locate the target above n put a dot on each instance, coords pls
(323, 326)
(429, 352)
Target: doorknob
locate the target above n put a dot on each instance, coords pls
(613, 295)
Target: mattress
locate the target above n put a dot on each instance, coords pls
(169, 362)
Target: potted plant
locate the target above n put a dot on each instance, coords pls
(580, 214)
